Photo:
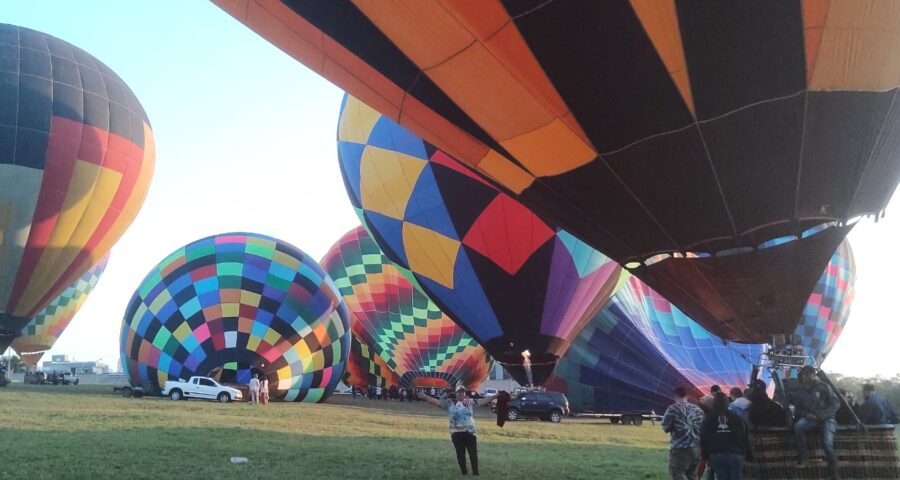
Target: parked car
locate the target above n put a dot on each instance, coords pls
(201, 387)
(489, 391)
(550, 406)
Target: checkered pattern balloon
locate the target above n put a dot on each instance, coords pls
(389, 314)
(365, 367)
(634, 353)
(238, 298)
(510, 280)
(46, 327)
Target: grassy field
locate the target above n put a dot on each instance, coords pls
(87, 432)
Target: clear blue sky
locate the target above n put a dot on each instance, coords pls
(245, 141)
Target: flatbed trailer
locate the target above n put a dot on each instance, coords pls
(625, 418)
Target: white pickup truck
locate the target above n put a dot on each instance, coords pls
(200, 387)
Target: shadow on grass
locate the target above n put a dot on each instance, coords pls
(205, 453)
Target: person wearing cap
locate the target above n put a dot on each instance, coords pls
(815, 405)
(461, 410)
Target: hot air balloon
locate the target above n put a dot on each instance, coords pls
(46, 327)
(634, 353)
(409, 333)
(76, 158)
(365, 367)
(643, 127)
(243, 299)
(513, 282)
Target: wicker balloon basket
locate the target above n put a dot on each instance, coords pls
(870, 454)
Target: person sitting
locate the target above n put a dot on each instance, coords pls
(725, 440)
(815, 404)
(875, 409)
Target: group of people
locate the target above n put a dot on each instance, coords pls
(394, 392)
(259, 390)
(715, 432)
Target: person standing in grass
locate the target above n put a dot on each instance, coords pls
(682, 421)
(254, 390)
(461, 411)
(264, 390)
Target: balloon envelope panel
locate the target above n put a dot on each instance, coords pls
(365, 367)
(640, 347)
(509, 279)
(409, 333)
(775, 116)
(45, 328)
(244, 298)
(828, 308)
(76, 159)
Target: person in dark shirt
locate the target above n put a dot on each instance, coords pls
(875, 410)
(763, 411)
(815, 405)
(725, 440)
(845, 413)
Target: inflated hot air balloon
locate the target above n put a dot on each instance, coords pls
(76, 158)
(243, 299)
(389, 314)
(828, 308)
(46, 327)
(513, 282)
(640, 347)
(364, 366)
(643, 127)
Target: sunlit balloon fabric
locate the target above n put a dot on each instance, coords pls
(640, 347)
(46, 327)
(365, 367)
(642, 127)
(238, 298)
(509, 279)
(828, 308)
(399, 322)
(76, 159)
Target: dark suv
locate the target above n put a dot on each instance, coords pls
(541, 405)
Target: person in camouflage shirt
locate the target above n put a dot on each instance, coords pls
(682, 421)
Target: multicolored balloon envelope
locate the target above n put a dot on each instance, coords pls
(514, 283)
(640, 347)
(46, 327)
(364, 366)
(389, 314)
(643, 127)
(240, 299)
(76, 159)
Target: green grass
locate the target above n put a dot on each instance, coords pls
(87, 432)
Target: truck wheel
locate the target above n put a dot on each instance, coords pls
(614, 420)
(638, 420)
(224, 397)
(555, 416)
(126, 392)
(175, 395)
(512, 415)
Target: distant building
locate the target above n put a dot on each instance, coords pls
(62, 363)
